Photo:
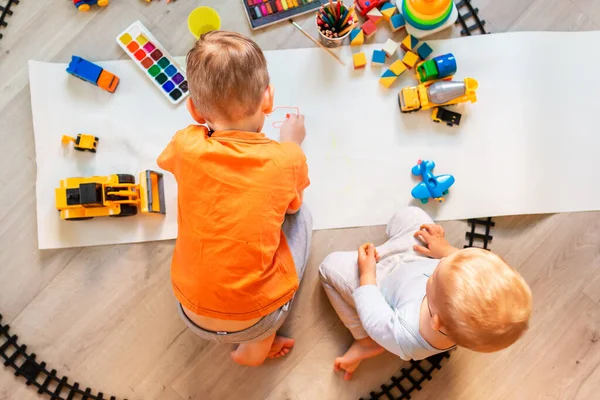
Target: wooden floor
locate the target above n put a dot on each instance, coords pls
(105, 316)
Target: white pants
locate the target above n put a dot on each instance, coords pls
(339, 270)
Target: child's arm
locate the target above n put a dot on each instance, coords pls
(436, 246)
(376, 316)
(293, 131)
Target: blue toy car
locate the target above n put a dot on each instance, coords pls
(435, 187)
(92, 73)
(84, 5)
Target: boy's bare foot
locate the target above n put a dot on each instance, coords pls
(253, 354)
(280, 347)
(360, 350)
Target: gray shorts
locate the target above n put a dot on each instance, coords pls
(298, 232)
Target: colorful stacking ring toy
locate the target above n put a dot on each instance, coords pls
(427, 14)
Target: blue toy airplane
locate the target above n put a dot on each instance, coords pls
(435, 187)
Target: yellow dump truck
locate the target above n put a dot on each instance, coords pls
(437, 93)
(114, 195)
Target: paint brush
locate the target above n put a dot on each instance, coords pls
(316, 42)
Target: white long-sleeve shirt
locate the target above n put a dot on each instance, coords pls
(390, 314)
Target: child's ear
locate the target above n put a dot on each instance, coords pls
(194, 112)
(268, 98)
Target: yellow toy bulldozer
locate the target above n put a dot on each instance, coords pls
(82, 142)
(114, 195)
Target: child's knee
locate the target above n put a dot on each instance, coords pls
(328, 265)
(408, 217)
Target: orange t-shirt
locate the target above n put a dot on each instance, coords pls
(231, 259)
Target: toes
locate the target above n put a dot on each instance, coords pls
(347, 376)
(337, 365)
(287, 342)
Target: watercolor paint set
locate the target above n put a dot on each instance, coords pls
(152, 58)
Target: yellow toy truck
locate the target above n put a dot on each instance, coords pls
(115, 196)
(82, 142)
(437, 93)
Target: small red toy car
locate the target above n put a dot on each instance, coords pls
(364, 6)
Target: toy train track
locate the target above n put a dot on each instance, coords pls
(485, 237)
(5, 12)
(468, 30)
(410, 379)
(36, 374)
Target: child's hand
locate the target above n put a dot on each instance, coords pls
(367, 261)
(436, 245)
(292, 130)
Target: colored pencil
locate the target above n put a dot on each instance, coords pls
(345, 30)
(316, 42)
(335, 19)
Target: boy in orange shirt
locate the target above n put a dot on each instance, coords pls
(243, 237)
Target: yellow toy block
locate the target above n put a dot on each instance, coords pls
(409, 43)
(357, 37)
(410, 59)
(390, 47)
(387, 81)
(388, 10)
(360, 60)
(398, 67)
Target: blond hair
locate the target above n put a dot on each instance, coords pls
(485, 304)
(227, 75)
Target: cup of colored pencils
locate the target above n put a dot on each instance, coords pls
(334, 22)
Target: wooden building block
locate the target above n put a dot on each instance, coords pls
(398, 67)
(378, 58)
(375, 16)
(359, 60)
(397, 22)
(409, 43)
(387, 79)
(357, 37)
(410, 59)
(424, 50)
(390, 47)
(388, 10)
(369, 28)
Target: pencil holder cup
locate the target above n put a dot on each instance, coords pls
(331, 41)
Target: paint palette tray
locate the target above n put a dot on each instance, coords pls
(152, 58)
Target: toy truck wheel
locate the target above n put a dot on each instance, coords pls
(84, 7)
(78, 219)
(127, 210)
(445, 191)
(126, 178)
(102, 3)
(424, 201)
